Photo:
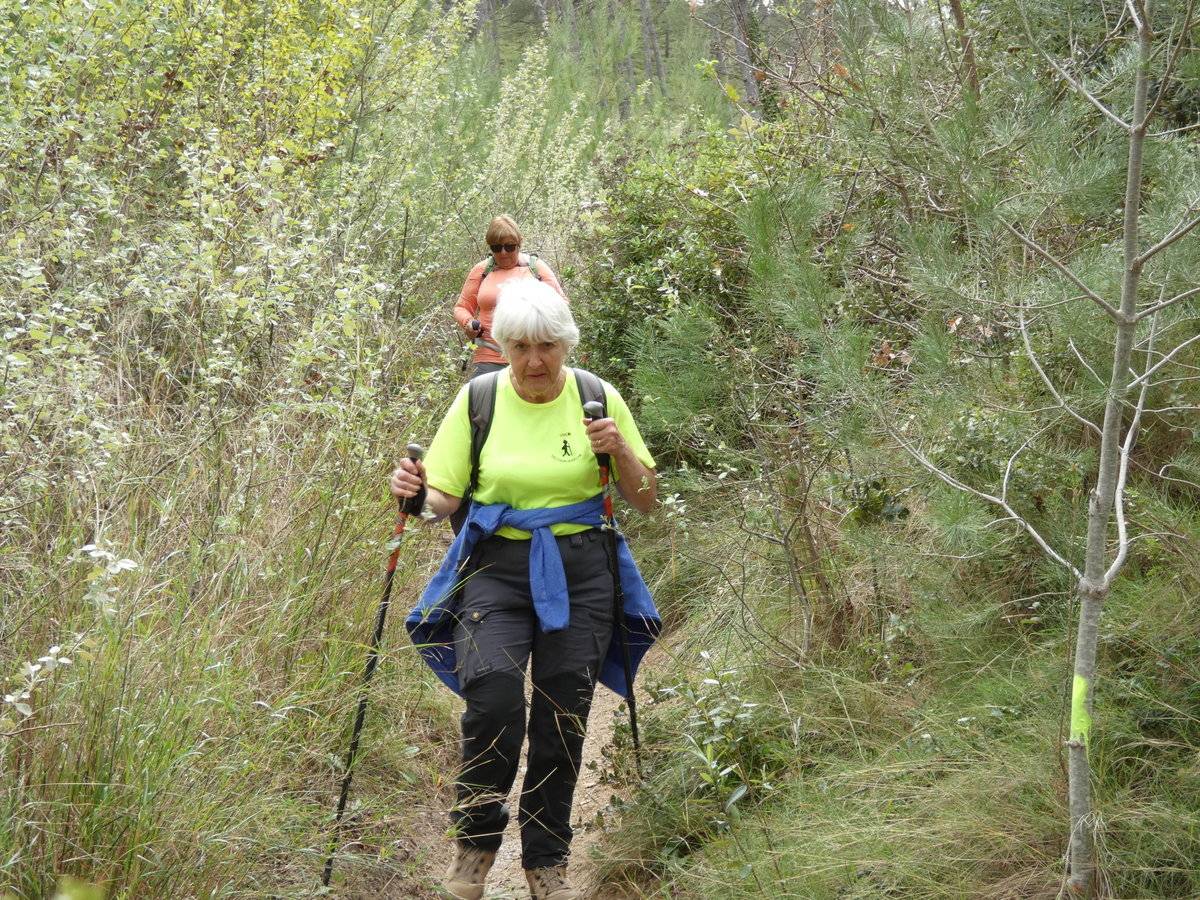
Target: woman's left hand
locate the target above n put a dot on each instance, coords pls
(604, 436)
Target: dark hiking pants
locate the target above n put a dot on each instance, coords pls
(496, 634)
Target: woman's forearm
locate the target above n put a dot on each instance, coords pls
(441, 505)
(637, 483)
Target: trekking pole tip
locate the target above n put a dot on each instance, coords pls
(414, 451)
(593, 409)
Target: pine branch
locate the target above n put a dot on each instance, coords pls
(1178, 232)
(1046, 379)
(1070, 79)
(1149, 311)
(949, 479)
(1112, 311)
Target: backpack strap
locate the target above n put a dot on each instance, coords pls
(529, 260)
(591, 390)
(481, 396)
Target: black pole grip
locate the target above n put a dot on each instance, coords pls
(412, 505)
(594, 410)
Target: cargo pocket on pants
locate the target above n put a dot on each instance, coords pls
(472, 650)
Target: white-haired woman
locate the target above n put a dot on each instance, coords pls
(529, 579)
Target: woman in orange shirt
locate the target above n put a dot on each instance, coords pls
(477, 301)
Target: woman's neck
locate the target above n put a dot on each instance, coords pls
(545, 396)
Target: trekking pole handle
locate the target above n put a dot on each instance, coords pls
(594, 410)
(408, 505)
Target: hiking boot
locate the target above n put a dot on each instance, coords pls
(466, 875)
(550, 883)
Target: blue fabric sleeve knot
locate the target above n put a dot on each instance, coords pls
(431, 623)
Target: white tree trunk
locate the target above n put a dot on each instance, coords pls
(1094, 586)
(741, 45)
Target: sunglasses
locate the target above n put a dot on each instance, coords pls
(507, 248)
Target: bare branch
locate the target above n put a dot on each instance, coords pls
(1046, 379)
(1163, 411)
(1083, 362)
(1178, 232)
(1138, 19)
(1112, 311)
(1163, 304)
(1172, 58)
(1160, 474)
(1041, 307)
(1123, 473)
(1070, 79)
(1171, 131)
(949, 479)
(1013, 459)
(1145, 376)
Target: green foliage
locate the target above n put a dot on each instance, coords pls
(228, 239)
(879, 299)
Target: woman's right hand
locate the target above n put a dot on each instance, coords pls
(408, 479)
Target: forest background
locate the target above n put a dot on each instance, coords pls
(848, 260)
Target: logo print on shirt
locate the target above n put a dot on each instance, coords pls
(564, 450)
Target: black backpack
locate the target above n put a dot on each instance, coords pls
(482, 397)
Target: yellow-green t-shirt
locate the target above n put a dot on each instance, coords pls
(537, 455)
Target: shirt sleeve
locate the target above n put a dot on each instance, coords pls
(448, 462)
(467, 307)
(619, 412)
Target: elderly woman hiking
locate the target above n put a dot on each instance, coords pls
(504, 266)
(529, 578)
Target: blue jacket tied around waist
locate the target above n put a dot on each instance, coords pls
(431, 623)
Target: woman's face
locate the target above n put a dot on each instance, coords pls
(506, 253)
(536, 368)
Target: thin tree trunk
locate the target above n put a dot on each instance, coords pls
(487, 15)
(1094, 585)
(626, 81)
(968, 47)
(652, 61)
(718, 48)
(741, 33)
(571, 20)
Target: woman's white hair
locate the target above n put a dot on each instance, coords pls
(531, 310)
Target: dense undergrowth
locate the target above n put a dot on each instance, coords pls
(230, 239)
(870, 670)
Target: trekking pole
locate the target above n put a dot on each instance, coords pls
(406, 508)
(480, 341)
(593, 410)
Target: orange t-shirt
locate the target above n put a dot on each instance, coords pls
(478, 300)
